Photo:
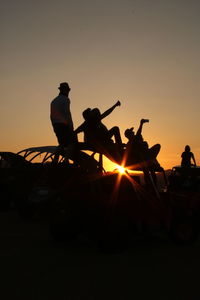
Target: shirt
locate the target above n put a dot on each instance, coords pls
(60, 111)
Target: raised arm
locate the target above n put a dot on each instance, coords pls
(194, 159)
(142, 121)
(108, 111)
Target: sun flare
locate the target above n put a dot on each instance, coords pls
(121, 169)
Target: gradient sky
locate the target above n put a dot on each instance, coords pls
(146, 53)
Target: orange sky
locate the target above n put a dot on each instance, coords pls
(144, 53)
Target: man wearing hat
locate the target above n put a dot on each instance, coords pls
(61, 118)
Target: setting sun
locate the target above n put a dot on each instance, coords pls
(121, 169)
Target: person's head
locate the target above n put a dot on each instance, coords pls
(86, 114)
(64, 88)
(96, 115)
(187, 148)
(129, 133)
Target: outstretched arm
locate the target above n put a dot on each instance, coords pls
(80, 128)
(108, 111)
(142, 121)
(194, 159)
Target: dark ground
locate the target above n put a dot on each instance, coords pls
(33, 266)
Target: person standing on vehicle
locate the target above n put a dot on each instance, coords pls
(61, 118)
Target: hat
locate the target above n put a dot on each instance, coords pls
(64, 85)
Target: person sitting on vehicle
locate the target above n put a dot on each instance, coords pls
(97, 135)
(91, 116)
(187, 157)
(137, 150)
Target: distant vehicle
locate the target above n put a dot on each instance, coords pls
(185, 179)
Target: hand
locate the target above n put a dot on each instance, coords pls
(118, 103)
(144, 121)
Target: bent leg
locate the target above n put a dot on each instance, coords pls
(114, 131)
(154, 150)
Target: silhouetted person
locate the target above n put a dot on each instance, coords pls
(137, 150)
(138, 155)
(187, 157)
(61, 118)
(97, 135)
(63, 127)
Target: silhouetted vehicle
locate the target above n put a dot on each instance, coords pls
(187, 179)
(112, 207)
(105, 207)
(29, 178)
(13, 176)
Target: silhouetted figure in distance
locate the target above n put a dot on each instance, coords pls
(187, 157)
